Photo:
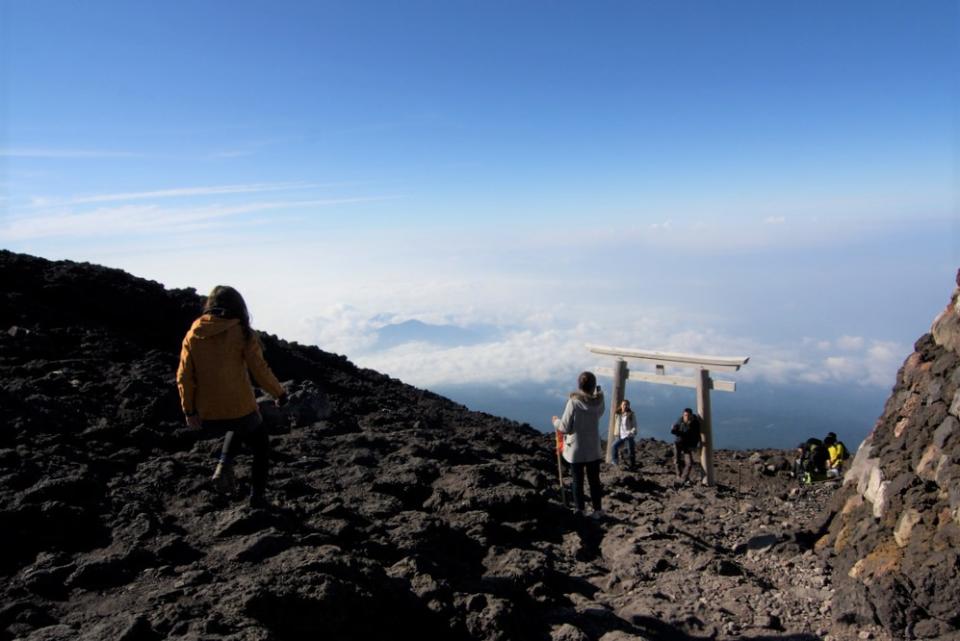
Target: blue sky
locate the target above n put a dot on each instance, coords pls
(773, 179)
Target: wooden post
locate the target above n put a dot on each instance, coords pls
(706, 428)
(619, 386)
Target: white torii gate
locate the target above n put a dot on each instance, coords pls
(701, 381)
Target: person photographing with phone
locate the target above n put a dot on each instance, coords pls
(580, 427)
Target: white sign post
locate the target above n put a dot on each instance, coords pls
(701, 381)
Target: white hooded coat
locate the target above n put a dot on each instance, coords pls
(580, 425)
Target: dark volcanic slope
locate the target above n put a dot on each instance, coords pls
(104, 487)
(398, 513)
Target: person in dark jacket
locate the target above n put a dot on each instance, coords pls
(580, 426)
(686, 432)
(218, 354)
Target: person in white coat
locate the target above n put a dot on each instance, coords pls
(580, 425)
(627, 431)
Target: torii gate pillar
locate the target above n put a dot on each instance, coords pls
(706, 425)
(620, 373)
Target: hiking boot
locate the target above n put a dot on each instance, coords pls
(223, 478)
(596, 515)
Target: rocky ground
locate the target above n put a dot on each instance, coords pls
(730, 562)
(395, 512)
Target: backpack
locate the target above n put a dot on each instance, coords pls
(844, 452)
(816, 454)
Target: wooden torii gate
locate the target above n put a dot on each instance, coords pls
(701, 381)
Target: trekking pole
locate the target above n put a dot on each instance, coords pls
(563, 489)
(739, 486)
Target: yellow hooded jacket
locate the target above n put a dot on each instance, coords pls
(836, 452)
(212, 376)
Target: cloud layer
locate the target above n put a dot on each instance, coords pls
(547, 349)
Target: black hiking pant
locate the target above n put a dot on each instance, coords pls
(684, 456)
(592, 470)
(247, 430)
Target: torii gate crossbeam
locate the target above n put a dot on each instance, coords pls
(701, 381)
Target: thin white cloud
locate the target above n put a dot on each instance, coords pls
(774, 220)
(840, 367)
(181, 192)
(28, 152)
(850, 343)
(881, 362)
(816, 343)
(145, 219)
(230, 154)
(340, 328)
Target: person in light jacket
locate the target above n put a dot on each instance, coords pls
(580, 425)
(627, 430)
(215, 390)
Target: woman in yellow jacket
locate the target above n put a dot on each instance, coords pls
(215, 390)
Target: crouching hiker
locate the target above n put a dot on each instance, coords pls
(215, 390)
(580, 425)
(811, 463)
(837, 455)
(686, 442)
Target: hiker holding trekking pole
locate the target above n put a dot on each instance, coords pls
(580, 425)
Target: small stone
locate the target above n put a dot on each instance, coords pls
(476, 603)
(567, 632)
(767, 621)
(725, 567)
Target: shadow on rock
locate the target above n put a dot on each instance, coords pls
(655, 630)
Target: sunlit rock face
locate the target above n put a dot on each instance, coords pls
(896, 526)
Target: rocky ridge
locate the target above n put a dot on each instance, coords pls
(894, 533)
(396, 511)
